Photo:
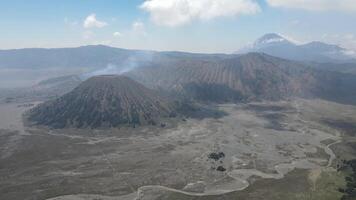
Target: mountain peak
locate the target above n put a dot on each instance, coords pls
(271, 35)
(279, 46)
(271, 38)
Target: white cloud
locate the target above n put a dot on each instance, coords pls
(350, 36)
(117, 34)
(295, 22)
(179, 12)
(139, 28)
(103, 42)
(316, 5)
(92, 22)
(88, 35)
(347, 40)
(290, 38)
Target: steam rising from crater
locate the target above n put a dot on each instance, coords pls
(132, 62)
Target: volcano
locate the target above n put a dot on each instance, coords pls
(103, 101)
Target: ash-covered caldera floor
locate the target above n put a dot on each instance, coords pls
(210, 156)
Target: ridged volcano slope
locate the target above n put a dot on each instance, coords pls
(252, 76)
(103, 101)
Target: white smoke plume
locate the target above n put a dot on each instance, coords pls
(132, 62)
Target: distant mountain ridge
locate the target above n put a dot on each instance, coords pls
(276, 45)
(98, 59)
(93, 56)
(116, 100)
(253, 76)
(208, 77)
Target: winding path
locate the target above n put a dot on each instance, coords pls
(242, 175)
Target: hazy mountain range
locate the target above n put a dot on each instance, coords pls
(276, 45)
(110, 101)
(99, 59)
(201, 78)
(253, 76)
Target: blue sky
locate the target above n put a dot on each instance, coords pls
(185, 25)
